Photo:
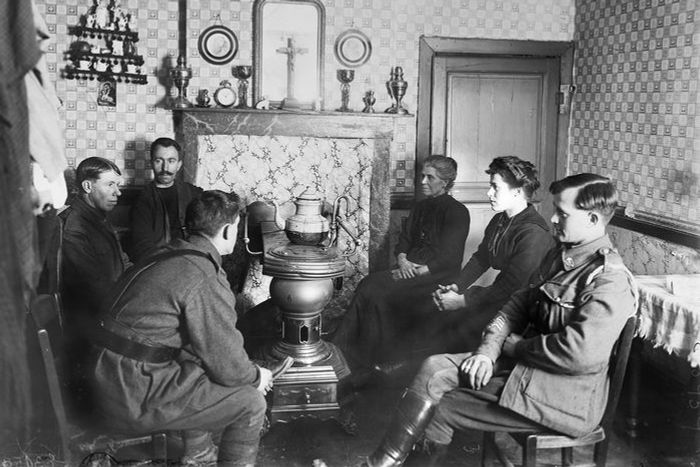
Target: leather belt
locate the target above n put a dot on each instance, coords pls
(129, 348)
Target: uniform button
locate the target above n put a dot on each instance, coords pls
(558, 299)
(569, 262)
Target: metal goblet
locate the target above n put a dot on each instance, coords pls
(345, 77)
(242, 73)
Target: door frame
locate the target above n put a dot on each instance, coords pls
(430, 47)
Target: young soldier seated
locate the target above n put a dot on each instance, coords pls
(170, 356)
(558, 334)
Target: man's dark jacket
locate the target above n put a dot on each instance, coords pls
(149, 223)
(92, 259)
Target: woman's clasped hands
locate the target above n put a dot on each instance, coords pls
(447, 298)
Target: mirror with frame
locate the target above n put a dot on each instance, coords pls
(288, 38)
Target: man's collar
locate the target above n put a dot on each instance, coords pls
(83, 206)
(575, 256)
(204, 244)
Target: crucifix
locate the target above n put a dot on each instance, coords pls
(291, 51)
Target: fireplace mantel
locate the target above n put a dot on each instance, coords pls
(375, 130)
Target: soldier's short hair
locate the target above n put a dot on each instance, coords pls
(595, 193)
(210, 211)
(91, 168)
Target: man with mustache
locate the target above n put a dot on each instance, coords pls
(158, 213)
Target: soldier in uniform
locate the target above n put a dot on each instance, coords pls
(543, 360)
(169, 354)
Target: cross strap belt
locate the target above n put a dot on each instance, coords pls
(107, 339)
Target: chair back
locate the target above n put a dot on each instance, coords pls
(618, 368)
(45, 314)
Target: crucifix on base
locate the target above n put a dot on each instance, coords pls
(291, 51)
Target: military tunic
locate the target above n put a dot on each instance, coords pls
(571, 315)
(182, 302)
(576, 313)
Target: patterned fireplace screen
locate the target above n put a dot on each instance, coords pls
(280, 168)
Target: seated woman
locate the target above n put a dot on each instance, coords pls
(429, 251)
(515, 241)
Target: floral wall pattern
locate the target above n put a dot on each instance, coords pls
(280, 168)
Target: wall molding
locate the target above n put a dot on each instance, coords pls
(654, 229)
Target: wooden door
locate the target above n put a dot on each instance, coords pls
(479, 99)
(485, 107)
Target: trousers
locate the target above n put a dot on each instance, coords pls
(459, 407)
(239, 413)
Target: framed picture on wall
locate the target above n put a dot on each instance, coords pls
(288, 41)
(107, 93)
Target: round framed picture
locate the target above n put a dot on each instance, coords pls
(353, 48)
(218, 44)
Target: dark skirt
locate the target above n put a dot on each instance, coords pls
(381, 312)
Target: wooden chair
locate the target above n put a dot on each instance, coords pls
(46, 316)
(531, 442)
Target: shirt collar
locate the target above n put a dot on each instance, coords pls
(577, 255)
(203, 244)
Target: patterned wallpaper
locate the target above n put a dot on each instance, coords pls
(636, 108)
(122, 133)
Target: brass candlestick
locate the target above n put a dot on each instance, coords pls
(181, 75)
(396, 86)
(242, 73)
(345, 77)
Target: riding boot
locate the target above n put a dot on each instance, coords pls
(412, 415)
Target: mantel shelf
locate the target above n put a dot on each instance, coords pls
(229, 121)
(217, 109)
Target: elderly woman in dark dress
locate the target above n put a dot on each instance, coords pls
(429, 251)
(515, 241)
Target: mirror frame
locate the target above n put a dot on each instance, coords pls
(258, 33)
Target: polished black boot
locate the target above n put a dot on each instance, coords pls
(412, 415)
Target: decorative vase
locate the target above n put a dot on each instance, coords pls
(396, 86)
(181, 75)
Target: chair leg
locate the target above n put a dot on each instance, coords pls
(160, 447)
(530, 451)
(567, 456)
(600, 453)
(487, 450)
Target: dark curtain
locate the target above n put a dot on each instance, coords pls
(19, 52)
